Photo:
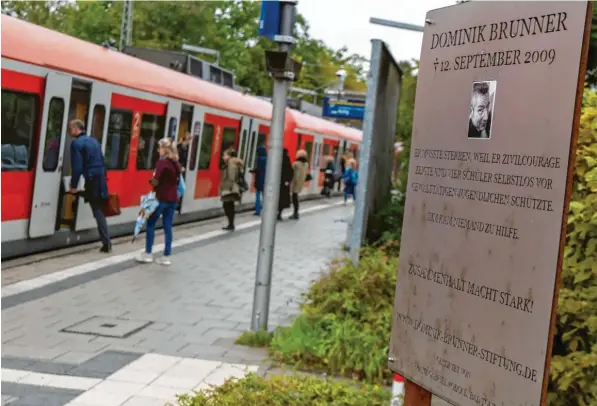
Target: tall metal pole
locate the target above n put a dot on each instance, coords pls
(126, 29)
(273, 173)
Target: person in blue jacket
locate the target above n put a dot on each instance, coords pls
(259, 172)
(87, 160)
(351, 179)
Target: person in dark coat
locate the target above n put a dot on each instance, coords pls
(87, 160)
(342, 170)
(285, 179)
(328, 179)
(259, 172)
(183, 150)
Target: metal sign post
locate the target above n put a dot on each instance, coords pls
(280, 28)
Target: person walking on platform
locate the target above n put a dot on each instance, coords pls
(87, 160)
(230, 193)
(183, 150)
(285, 179)
(300, 169)
(328, 177)
(259, 172)
(350, 180)
(165, 182)
(342, 170)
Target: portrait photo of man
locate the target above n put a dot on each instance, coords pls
(481, 109)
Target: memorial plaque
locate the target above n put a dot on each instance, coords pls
(497, 99)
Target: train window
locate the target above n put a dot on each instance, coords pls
(53, 132)
(97, 128)
(152, 128)
(326, 152)
(244, 140)
(260, 142)
(19, 121)
(299, 141)
(309, 149)
(206, 144)
(228, 138)
(195, 145)
(119, 139)
(172, 128)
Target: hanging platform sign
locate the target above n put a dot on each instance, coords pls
(343, 109)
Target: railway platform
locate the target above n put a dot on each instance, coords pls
(85, 329)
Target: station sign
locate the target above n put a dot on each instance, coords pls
(269, 21)
(343, 109)
(487, 198)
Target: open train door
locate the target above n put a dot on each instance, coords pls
(188, 199)
(48, 170)
(244, 148)
(172, 118)
(97, 127)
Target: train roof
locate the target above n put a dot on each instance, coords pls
(30, 43)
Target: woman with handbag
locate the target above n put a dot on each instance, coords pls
(230, 188)
(300, 176)
(165, 181)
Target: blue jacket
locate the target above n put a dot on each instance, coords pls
(351, 177)
(87, 160)
(260, 168)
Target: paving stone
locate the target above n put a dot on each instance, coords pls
(30, 395)
(74, 357)
(32, 351)
(198, 306)
(17, 362)
(47, 367)
(104, 364)
(7, 399)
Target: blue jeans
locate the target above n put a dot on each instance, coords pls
(166, 210)
(349, 190)
(258, 203)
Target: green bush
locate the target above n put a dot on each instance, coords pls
(285, 390)
(255, 339)
(574, 363)
(346, 322)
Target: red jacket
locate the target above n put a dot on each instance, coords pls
(167, 174)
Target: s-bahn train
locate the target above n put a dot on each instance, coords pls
(127, 104)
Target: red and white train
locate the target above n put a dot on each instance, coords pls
(49, 78)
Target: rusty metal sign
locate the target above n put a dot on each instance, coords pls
(495, 106)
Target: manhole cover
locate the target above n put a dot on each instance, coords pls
(107, 327)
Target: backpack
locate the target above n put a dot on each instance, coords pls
(242, 182)
(354, 177)
(181, 186)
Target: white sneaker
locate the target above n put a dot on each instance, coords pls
(164, 261)
(145, 258)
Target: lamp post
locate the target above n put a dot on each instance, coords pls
(277, 23)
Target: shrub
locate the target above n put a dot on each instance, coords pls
(285, 390)
(346, 322)
(255, 339)
(574, 363)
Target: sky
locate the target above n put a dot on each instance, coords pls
(346, 23)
